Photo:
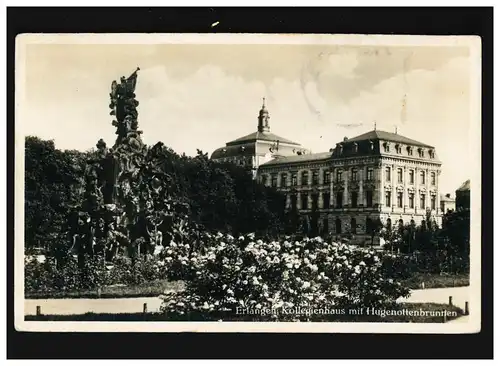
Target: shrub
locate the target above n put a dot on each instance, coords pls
(275, 277)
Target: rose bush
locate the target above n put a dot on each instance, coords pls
(276, 276)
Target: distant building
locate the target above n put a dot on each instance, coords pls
(374, 176)
(258, 147)
(447, 203)
(462, 196)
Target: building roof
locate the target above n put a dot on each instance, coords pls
(263, 136)
(444, 198)
(298, 158)
(465, 186)
(243, 149)
(387, 136)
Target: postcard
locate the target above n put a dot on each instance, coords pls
(248, 183)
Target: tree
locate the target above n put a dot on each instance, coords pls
(53, 186)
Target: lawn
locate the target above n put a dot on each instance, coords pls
(150, 289)
(156, 288)
(404, 318)
(437, 280)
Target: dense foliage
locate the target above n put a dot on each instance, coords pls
(277, 277)
(219, 196)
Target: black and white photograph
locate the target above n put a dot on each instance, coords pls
(248, 182)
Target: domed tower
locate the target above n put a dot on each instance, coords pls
(263, 125)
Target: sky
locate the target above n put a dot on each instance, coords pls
(200, 96)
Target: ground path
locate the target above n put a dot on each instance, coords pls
(135, 305)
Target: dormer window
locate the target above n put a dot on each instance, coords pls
(340, 149)
(420, 152)
(398, 149)
(371, 145)
(431, 154)
(355, 147)
(410, 150)
(386, 147)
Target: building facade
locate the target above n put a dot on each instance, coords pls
(374, 176)
(258, 147)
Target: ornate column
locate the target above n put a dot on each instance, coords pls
(405, 189)
(288, 201)
(309, 177)
(361, 198)
(278, 179)
(331, 189)
(346, 191)
(393, 187)
(427, 190)
(309, 200)
(299, 201)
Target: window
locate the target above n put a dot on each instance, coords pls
(388, 199)
(326, 177)
(369, 173)
(420, 153)
(369, 225)
(303, 204)
(400, 175)
(422, 201)
(354, 175)
(339, 200)
(325, 226)
(338, 226)
(411, 200)
(294, 179)
(433, 178)
(422, 177)
(398, 149)
(326, 200)
(274, 180)
(353, 225)
(400, 199)
(304, 178)
(355, 147)
(315, 177)
(410, 151)
(388, 224)
(386, 147)
(369, 199)
(354, 199)
(431, 154)
(284, 178)
(314, 201)
(388, 174)
(433, 202)
(412, 176)
(293, 201)
(339, 175)
(264, 180)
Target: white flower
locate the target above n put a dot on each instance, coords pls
(241, 238)
(362, 263)
(205, 306)
(289, 265)
(258, 306)
(305, 284)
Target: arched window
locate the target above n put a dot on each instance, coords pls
(389, 224)
(353, 225)
(401, 224)
(338, 226)
(412, 222)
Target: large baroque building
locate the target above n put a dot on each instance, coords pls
(374, 176)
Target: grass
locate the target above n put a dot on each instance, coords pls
(150, 289)
(437, 280)
(158, 317)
